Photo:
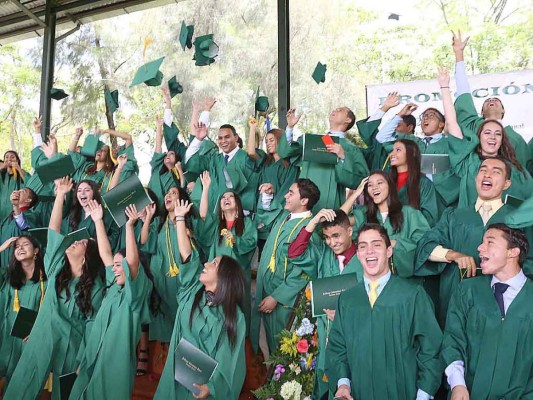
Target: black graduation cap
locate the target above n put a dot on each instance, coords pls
(394, 16)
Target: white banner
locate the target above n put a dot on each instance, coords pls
(515, 89)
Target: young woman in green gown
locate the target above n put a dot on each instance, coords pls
(404, 224)
(22, 284)
(72, 299)
(12, 177)
(210, 317)
(227, 232)
(107, 364)
(414, 189)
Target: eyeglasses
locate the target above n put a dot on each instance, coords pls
(430, 115)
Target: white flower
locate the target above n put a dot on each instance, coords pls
(306, 328)
(291, 390)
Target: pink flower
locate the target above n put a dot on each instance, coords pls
(302, 346)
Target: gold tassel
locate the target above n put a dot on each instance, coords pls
(42, 288)
(272, 263)
(112, 156)
(15, 173)
(16, 302)
(325, 378)
(229, 241)
(386, 161)
(173, 270)
(48, 383)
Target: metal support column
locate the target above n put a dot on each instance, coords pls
(47, 73)
(284, 70)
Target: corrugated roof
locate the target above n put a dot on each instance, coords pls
(15, 24)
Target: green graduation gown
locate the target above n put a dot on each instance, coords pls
(207, 332)
(108, 361)
(413, 228)
(375, 154)
(151, 244)
(388, 351)
(497, 353)
(332, 180)
(282, 283)
(430, 204)
(7, 184)
(466, 162)
(29, 296)
(470, 121)
(159, 182)
(461, 230)
(166, 282)
(241, 170)
(57, 335)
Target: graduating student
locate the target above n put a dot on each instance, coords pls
(467, 150)
(12, 177)
(22, 284)
(108, 357)
(385, 340)
(229, 233)
(414, 189)
(489, 329)
(332, 180)
(278, 279)
(276, 175)
(165, 268)
(404, 224)
(231, 168)
(492, 108)
(72, 299)
(452, 244)
(336, 255)
(209, 316)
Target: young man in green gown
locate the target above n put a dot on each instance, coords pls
(385, 340)
(332, 180)
(336, 255)
(278, 279)
(451, 247)
(489, 329)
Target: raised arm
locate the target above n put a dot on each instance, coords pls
(145, 231)
(123, 135)
(75, 139)
(121, 160)
(184, 242)
(63, 186)
(454, 129)
(251, 142)
(104, 247)
(204, 201)
(351, 199)
(158, 135)
(461, 79)
(132, 252)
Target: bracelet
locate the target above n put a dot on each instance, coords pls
(180, 218)
(444, 87)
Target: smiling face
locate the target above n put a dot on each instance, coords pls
(171, 197)
(118, 270)
(24, 249)
(494, 253)
(209, 275)
(77, 249)
(492, 108)
(373, 253)
(293, 202)
(338, 238)
(431, 122)
(404, 128)
(101, 155)
(227, 141)
(378, 189)
(227, 202)
(271, 143)
(491, 179)
(10, 158)
(490, 139)
(84, 194)
(398, 155)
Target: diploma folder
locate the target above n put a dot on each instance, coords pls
(23, 323)
(513, 201)
(434, 163)
(326, 291)
(131, 191)
(314, 149)
(192, 366)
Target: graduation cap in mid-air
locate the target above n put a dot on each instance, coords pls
(111, 99)
(394, 16)
(149, 74)
(261, 103)
(319, 74)
(58, 94)
(174, 87)
(205, 50)
(186, 33)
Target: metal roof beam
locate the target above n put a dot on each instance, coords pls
(26, 11)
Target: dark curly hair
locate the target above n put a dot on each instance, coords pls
(15, 274)
(395, 207)
(74, 217)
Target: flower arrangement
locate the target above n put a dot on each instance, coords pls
(294, 361)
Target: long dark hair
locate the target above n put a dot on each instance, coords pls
(506, 149)
(183, 195)
(3, 172)
(109, 165)
(269, 159)
(229, 294)
(15, 273)
(239, 219)
(76, 208)
(395, 207)
(412, 155)
(90, 273)
(164, 168)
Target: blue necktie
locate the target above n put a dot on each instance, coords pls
(226, 159)
(428, 140)
(499, 290)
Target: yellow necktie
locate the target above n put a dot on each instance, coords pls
(486, 209)
(373, 292)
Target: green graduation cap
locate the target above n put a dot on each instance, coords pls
(205, 50)
(91, 145)
(186, 33)
(57, 168)
(261, 103)
(394, 16)
(174, 87)
(58, 94)
(149, 74)
(319, 74)
(111, 99)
